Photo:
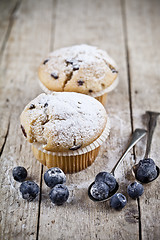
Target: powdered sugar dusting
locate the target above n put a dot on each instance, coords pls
(80, 68)
(67, 120)
(84, 54)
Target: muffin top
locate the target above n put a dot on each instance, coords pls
(80, 68)
(63, 121)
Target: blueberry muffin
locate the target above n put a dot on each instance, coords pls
(81, 68)
(66, 129)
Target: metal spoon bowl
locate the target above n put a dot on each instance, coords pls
(136, 136)
(109, 196)
(152, 121)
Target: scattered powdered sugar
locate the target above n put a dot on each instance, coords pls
(63, 120)
(83, 53)
(94, 62)
(57, 173)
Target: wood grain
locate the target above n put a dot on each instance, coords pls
(19, 85)
(129, 31)
(97, 23)
(7, 10)
(143, 43)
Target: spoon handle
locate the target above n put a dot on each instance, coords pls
(136, 136)
(152, 121)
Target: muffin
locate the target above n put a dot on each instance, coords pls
(65, 129)
(80, 68)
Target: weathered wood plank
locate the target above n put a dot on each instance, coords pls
(27, 44)
(96, 23)
(7, 8)
(143, 42)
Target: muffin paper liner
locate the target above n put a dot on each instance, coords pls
(96, 94)
(71, 161)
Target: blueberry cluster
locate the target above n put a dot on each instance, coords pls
(28, 189)
(146, 172)
(55, 179)
(104, 185)
(119, 201)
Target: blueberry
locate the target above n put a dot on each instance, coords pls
(29, 190)
(80, 82)
(32, 106)
(99, 190)
(54, 176)
(135, 190)
(107, 178)
(54, 75)
(59, 194)
(19, 173)
(75, 67)
(118, 201)
(146, 171)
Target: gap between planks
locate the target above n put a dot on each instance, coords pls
(9, 29)
(123, 7)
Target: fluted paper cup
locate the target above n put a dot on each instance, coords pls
(71, 161)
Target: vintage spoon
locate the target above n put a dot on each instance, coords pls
(151, 127)
(136, 136)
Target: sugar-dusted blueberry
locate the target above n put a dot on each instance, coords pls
(19, 173)
(59, 194)
(32, 106)
(90, 91)
(146, 171)
(54, 75)
(99, 190)
(54, 176)
(107, 178)
(46, 104)
(69, 61)
(80, 82)
(114, 71)
(135, 190)
(29, 190)
(75, 147)
(75, 67)
(118, 201)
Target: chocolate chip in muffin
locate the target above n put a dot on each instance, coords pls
(90, 90)
(46, 105)
(32, 106)
(25, 134)
(45, 61)
(54, 75)
(75, 147)
(80, 82)
(74, 63)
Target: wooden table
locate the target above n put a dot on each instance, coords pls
(129, 30)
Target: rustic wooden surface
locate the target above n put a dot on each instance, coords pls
(129, 31)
